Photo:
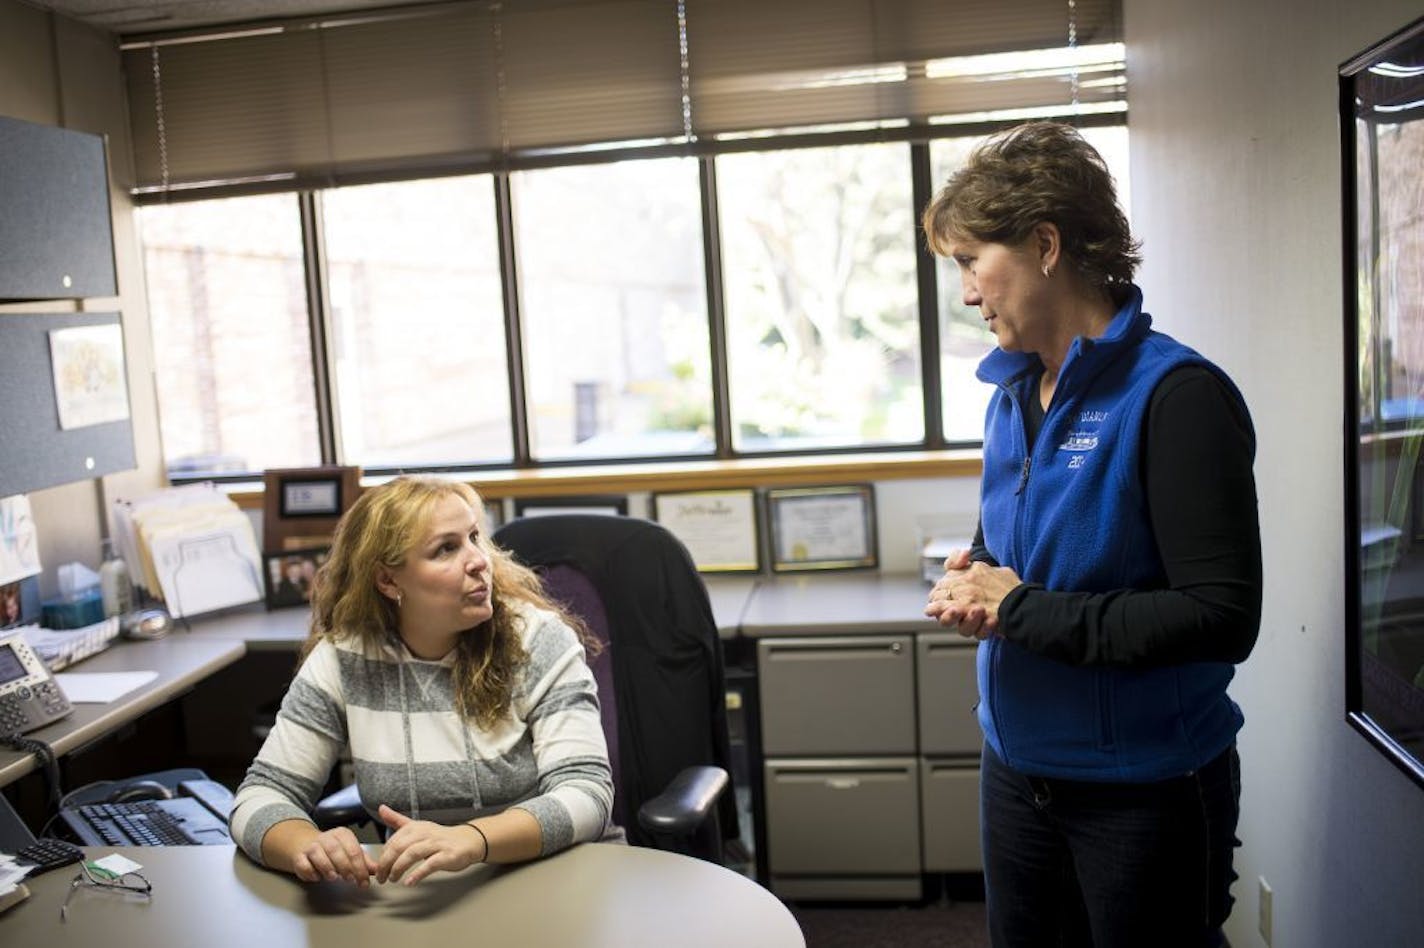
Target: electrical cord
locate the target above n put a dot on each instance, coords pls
(49, 765)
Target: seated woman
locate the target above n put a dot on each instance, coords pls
(461, 690)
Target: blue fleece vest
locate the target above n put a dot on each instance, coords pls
(1072, 515)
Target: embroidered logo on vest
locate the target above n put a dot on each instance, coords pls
(1080, 441)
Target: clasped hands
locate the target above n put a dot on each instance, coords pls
(414, 850)
(968, 595)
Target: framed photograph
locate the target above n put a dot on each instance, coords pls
(718, 527)
(289, 576)
(12, 605)
(1382, 150)
(822, 527)
(612, 504)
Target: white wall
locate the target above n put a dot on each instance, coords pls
(55, 71)
(1236, 194)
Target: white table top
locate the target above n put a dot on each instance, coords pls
(597, 895)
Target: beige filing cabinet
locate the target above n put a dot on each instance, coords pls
(840, 767)
(871, 762)
(950, 744)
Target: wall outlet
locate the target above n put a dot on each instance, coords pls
(1264, 906)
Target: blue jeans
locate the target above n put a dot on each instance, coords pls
(1071, 863)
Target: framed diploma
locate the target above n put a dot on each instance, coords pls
(718, 527)
(614, 505)
(822, 527)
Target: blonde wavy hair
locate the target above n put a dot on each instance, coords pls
(380, 530)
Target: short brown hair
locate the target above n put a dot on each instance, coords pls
(1034, 173)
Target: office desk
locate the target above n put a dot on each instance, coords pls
(846, 603)
(181, 662)
(597, 895)
(286, 629)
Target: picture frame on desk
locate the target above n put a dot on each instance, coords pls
(310, 497)
(720, 528)
(301, 506)
(822, 528)
(288, 576)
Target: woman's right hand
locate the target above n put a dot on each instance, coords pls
(334, 854)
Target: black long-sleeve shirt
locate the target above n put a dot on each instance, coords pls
(1201, 497)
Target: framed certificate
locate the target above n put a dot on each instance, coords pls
(822, 527)
(612, 504)
(718, 527)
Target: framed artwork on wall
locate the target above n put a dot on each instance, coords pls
(1382, 152)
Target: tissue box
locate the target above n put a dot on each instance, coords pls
(86, 609)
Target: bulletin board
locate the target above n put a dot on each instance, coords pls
(37, 451)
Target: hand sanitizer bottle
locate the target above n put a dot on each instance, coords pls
(114, 583)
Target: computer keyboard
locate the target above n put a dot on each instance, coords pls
(182, 821)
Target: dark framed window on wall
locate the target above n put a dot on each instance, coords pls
(465, 237)
(1382, 150)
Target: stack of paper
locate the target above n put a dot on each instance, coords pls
(192, 547)
(11, 874)
(60, 649)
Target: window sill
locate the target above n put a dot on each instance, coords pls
(708, 475)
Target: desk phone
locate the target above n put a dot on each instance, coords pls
(29, 695)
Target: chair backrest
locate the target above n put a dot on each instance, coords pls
(575, 591)
(660, 676)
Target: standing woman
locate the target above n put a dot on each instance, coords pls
(460, 689)
(1115, 578)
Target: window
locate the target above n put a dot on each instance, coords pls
(532, 250)
(614, 309)
(418, 353)
(819, 268)
(964, 339)
(231, 339)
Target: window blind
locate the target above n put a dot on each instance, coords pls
(758, 65)
(473, 85)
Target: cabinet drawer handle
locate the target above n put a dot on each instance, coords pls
(843, 783)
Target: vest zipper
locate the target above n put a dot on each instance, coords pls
(1023, 475)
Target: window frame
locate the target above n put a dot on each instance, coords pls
(917, 137)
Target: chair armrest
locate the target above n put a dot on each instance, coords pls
(342, 808)
(686, 802)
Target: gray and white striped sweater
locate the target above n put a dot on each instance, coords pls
(413, 752)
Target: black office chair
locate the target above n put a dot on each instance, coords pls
(660, 677)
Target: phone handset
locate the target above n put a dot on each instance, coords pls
(29, 696)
